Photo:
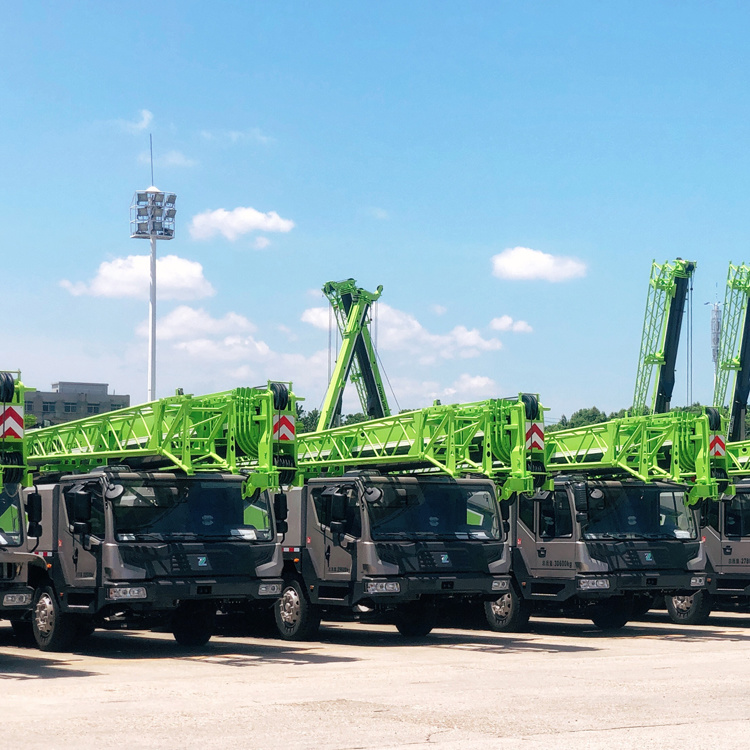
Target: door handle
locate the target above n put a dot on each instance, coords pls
(542, 552)
(726, 549)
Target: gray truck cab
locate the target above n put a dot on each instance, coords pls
(726, 530)
(601, 548)
(146, 549)
(16, 594)
(392, 545)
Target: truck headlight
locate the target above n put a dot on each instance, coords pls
(269, 589)
(16, 600)
(698, 581)
(500, 584)
(587, 584)
(383, 587)
(127, 592)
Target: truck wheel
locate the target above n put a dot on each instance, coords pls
(54, 630)
(689, 610)
(193, 624)
(416, 619)
(23, 631)
(508, 613)
(297, 618)
(612, 614)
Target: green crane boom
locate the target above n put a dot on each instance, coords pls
(501, 438)
(734, 351)
(677, 446)
(665, 303)
(356, 359)
(245, 430)
(12, 443)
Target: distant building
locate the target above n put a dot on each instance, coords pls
(68, 401)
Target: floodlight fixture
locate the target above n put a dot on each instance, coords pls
(171, 200)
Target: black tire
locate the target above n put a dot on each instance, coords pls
(54, 630)
(612, 614)
(23, 631)
(193, 624)
(689, 610)
(297, 618)
(508, 613)
(416, 619)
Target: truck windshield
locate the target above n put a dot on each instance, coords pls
(432, 510)
(11, 515)
(638, 512)
(190, 509)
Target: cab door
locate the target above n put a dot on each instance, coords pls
(735, 538)
(554, 546)
(334, 530)
(79, 552)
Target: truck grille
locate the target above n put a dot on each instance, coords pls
(7, 571)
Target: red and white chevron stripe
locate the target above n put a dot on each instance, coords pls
(717, 446)
(535, 436)
(283, 427)
(11, 422)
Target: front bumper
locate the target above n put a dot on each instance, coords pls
(380, 589)
(167, 594)
(639, 582)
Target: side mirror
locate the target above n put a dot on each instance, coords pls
(34, 531)
(581, 497)
(34, 508)
(280, 506)
(82, 527)
(582, 517)
(506, 526)
(81, 507)
(338, 509)
(337, 527)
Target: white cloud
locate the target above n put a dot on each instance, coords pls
(137, 126)
(316, 316)
(252, 135)
(400, 331)
(471, 387)
(235, 223)
(506, 323)
(186, 322)
(439, 309)
(261, 243)
(169, 159)
(523, 263)
(176, 278)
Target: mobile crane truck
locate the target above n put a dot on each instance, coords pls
(159, 514)
(388, 520)
(727, 522)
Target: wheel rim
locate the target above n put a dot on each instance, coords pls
(682, 604)
(501, 607)
(290, 606)
(44, 614)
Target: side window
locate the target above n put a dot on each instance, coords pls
(736, 520)
(526, 511)
(555, 519)
(321, 501)
(320, 505)
(711, 514)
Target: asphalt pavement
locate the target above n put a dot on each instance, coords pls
(564, 684)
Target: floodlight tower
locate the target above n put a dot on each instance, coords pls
(152, 217)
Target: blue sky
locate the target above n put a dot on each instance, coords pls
(402, 144)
